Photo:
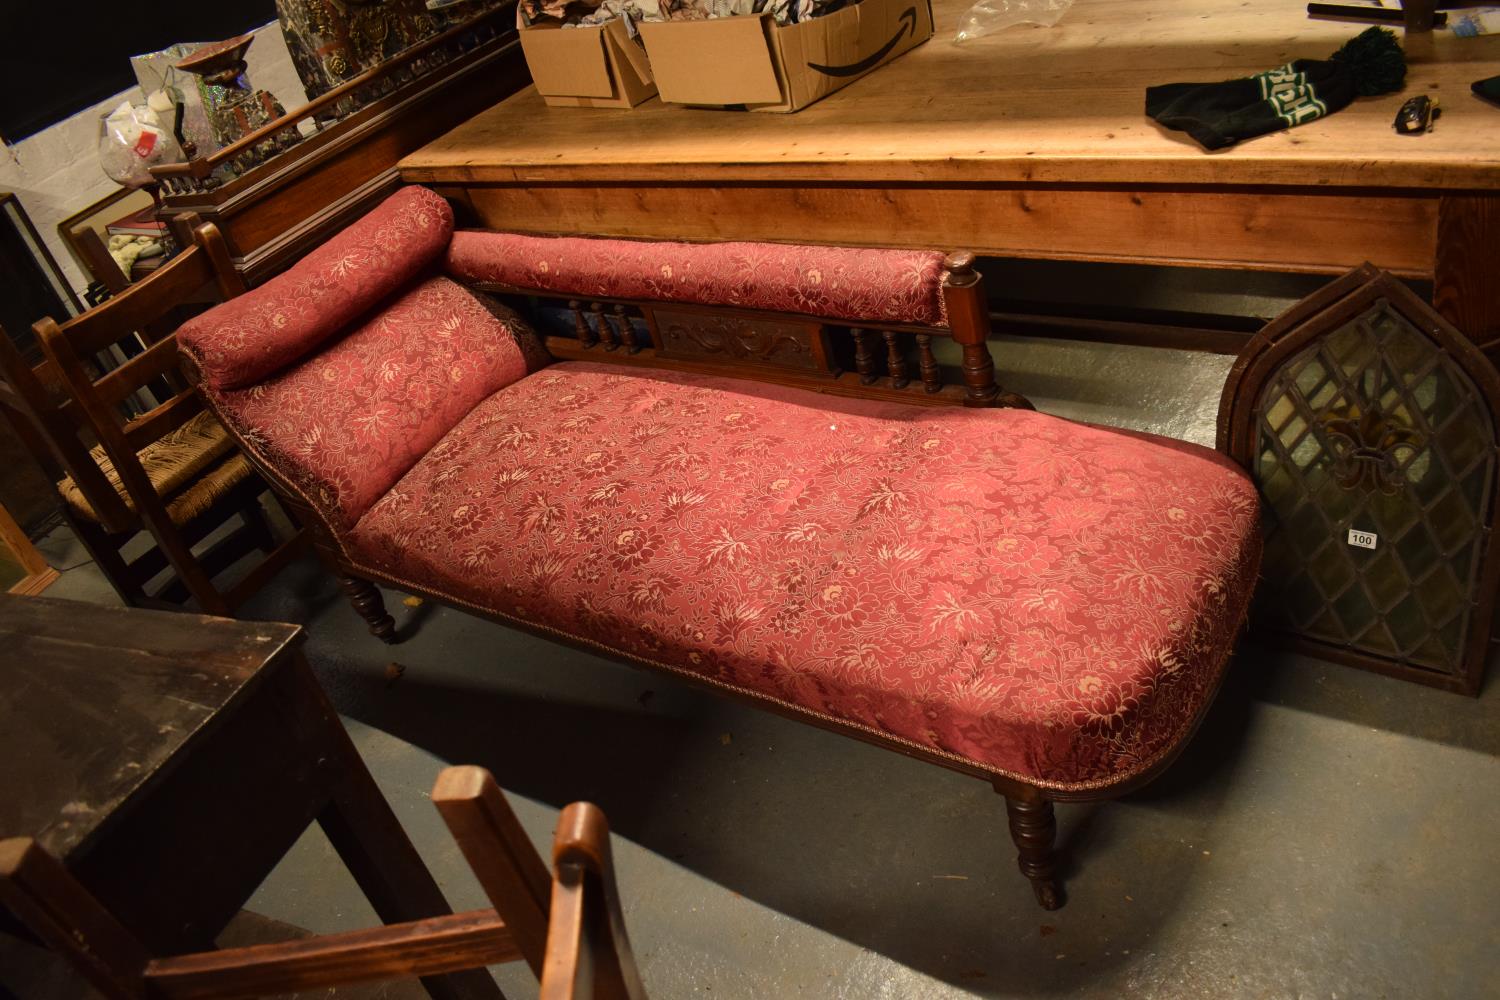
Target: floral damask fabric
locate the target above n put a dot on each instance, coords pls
(876, 286)
(244, 340)
(1048, 600)
(344, 425)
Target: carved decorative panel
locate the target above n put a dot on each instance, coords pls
(1373, 442)
(693, 335)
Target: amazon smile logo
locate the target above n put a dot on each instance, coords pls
(908, 27)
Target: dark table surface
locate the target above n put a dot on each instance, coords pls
(96, 703)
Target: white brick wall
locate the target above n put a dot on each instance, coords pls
(55, 172)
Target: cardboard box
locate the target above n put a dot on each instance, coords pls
(756, 63)
(600, 67)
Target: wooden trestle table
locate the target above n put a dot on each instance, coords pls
(1034, 143)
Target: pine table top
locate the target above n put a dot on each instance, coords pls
(1039, 105)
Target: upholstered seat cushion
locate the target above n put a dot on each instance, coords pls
(1047, 600)
(877, 286)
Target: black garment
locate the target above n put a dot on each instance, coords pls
(1222, 114)
(1488, 88)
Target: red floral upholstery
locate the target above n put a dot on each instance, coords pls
(1045, 599)
(259, 333)
(344, 425)
(886, 286)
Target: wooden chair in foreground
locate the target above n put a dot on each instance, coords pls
(582, 954)
(171, 470)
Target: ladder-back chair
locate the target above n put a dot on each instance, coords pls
(162, 462)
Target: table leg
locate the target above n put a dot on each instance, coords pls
(370, 840)
(1419, 14)
(1464, 288)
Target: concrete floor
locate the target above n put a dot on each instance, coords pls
(1329, 833)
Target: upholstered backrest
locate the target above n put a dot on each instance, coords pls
(250, 338)
(840, 283)
(340, 374)
(343, 425)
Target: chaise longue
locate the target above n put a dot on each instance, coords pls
(915, 560)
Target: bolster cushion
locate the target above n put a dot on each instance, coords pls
(876, 286)
(251, 337)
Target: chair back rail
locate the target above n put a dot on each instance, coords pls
(132, 309)
(162, 419)
(58, 909)
(119, 384)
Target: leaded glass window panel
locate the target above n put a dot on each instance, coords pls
(1375, 428)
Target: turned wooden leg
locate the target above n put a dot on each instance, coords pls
(256, 523)
(371, 607)
(1033, 827)
(1419, 14)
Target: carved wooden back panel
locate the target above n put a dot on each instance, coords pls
(899, 362)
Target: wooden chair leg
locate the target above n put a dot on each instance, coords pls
(586, 940)
(1034, 827)
(508, 867)
(104, 549)
(259, 528)
(47, 899)
(365, 597)
(179, 554)
(374, 847)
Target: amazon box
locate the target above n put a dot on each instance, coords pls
(755, 63)
(598, 67)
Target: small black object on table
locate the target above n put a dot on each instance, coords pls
(1416, 15)
(170, 760)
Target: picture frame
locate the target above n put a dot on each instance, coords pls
(86, 238)
(22, 568)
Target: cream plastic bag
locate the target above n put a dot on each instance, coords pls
(988, 16)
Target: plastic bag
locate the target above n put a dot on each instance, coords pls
(992, 15)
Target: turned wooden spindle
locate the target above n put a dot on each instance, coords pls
(932, 375)
(606, 331)
(969, 319)
(627, 332)
(586, 335)
(370, 606)
(864, 358)
(895, 360)
(1033, 828)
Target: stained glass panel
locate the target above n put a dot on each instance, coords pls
(1373, 427)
